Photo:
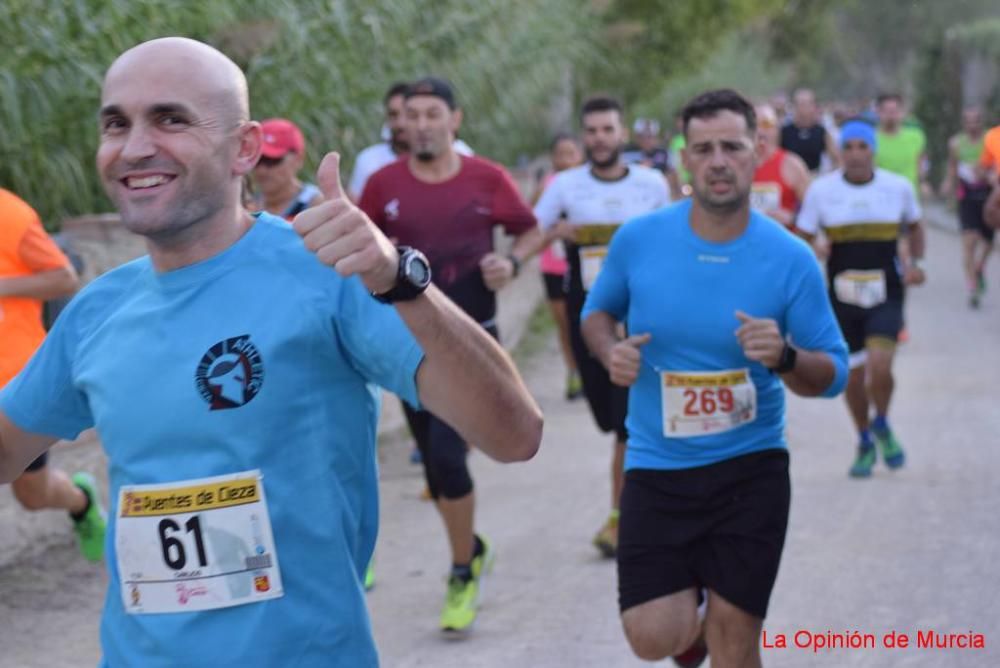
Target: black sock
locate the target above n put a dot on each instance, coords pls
(462, 572)
(80, 515)
(478, 547)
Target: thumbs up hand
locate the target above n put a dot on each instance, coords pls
(760, 339)
(625, 358)
(343, 237)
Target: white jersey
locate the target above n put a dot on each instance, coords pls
(585, 199)
(597, 208)
(871, 211)
(377, 156)
(863, 222)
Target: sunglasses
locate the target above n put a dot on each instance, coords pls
(270, 162)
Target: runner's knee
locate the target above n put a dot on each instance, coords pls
(445, 460)
(31, 490)
(655, 634)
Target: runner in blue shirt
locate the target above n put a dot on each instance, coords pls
(232, 377)
(723, 307)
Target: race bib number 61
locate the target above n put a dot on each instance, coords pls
(195, 545)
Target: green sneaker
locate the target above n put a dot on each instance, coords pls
(460, 604)
(574, 386)
(90, 528)
(483, 564)
(863, 463)
(892, 451)
(370, 575)
(606, 540)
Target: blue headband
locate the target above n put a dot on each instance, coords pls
(852, 130)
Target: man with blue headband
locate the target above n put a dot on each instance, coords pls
(865, 213)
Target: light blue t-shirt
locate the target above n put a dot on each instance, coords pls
(138, 354)
(661, 278)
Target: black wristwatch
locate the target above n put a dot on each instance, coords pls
(412, 278)
(789, 356)
(516, 264)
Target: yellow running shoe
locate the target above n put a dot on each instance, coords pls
(460, 604)
(370, 575)
(606, 540)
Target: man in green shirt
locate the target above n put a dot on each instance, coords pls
(674, 147)
(968, 183)
(900, 146)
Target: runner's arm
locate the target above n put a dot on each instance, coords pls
(831, 150)
(18, 449)
(43, 285)
(812, 329)
(528, 244)
(951, 170)
(674, 183)
(915, 241)
(991, 210)
(808, 221)
(814, 372)
(469, 381)
(465, 377)
(600, 333)
(548, 211)
(796, 174)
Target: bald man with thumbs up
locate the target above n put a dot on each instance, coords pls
(232, 375)
(724, 309)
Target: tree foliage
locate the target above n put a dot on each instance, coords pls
(647, 43)
(326, 63)
(323, 63)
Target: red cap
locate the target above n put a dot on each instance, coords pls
(281, 137)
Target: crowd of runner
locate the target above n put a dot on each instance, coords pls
(788, 236)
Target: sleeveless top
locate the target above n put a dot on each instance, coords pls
(808, 143)
(770, 191)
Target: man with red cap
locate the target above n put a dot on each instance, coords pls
(276, 175)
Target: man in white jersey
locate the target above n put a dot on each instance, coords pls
(584, 206)
(865, 212)
(377, 156)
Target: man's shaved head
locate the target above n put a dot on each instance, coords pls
(176, 139)
(200, 68)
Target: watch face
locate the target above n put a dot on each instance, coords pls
(418, 271)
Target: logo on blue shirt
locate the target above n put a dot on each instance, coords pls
(230, 374)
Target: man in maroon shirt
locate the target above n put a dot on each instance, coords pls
(447, 205)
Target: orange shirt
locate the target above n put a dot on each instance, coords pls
(25, 249)
(991, 150)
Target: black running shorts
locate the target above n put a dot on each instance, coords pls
(970, 215)
(859, 324)
(720, 526)
(608, 402)
(555, 287)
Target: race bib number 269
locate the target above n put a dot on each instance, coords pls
(697, 403)
(195, 545)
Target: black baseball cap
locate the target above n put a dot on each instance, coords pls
(435, 86)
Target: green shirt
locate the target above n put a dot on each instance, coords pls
(900, 153)
(676, 145)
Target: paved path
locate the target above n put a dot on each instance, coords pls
(908, 551)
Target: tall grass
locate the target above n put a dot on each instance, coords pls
(322, 63)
